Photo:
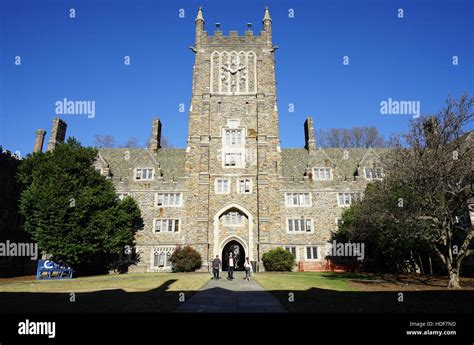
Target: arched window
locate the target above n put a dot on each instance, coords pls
(155, 259)
(162, 259)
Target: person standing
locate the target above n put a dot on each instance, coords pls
(230, 269)
(248, 268)
(216, 266)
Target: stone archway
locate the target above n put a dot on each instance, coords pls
(247, 246)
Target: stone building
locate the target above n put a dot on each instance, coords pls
(233, 188)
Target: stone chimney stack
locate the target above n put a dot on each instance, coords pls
(58, 133)
(39, 140)
(309, 138)
(155, 140)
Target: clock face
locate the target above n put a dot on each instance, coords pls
(232, 72)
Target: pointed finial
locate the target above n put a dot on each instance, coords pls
(199, 15)
(267, 14)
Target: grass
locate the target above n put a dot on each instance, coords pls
(144, 292)
(331, 292)
(305, 280)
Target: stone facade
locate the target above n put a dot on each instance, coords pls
(233, 181)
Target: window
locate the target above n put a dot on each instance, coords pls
(144, 174)
(292, 250)
(233, 138)
(222, 186)
(122, 196)
(346, 199)
(300, 225)
(233, 145)
(168, 199)
(244, 186)
(233, 159)
(298, 199)
(156, 258)
(233, 218)
(312, 253)
(166, 225)
(373, 173)
(161, 257)
(322, 174)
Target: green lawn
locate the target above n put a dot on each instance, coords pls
(148, 292)
(306, 280)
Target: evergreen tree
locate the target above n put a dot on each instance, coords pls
(73, 212)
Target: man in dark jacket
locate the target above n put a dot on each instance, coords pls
(216, 266)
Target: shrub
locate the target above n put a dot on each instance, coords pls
(185, 259)
(278, 259)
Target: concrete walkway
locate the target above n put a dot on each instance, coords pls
(237, 296)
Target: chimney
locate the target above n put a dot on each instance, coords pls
(310, 141)
(155, 140)
(58, 133)
(39, 140)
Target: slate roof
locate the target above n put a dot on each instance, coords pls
(295, 161)
(170, 160)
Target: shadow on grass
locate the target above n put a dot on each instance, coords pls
(115, 300)
(348, 275)
(312, 300)
(331, 301)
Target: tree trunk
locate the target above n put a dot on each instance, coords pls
(453, 282)
(431, 265)
(421, 264)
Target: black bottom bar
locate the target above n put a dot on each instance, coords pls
(308, 328)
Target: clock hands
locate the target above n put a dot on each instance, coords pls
(225, 68)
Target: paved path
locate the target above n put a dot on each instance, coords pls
(237, 296)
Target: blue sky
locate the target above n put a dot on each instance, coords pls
(82, 59)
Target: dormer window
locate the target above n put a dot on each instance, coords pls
(144, 174)
(373, 173)
(322, 174)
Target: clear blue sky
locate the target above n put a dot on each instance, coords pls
(82, 59)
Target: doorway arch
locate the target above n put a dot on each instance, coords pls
(219, 246)
(238, 251)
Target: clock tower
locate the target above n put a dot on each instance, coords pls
(233, 148)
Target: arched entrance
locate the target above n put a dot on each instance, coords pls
(238, 252)
(245, 242)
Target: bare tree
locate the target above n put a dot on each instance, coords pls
(438, 166)
(354, 137)
(372, 138)
(427, 189)
(164, 143)
(131, 142)
(101, 140)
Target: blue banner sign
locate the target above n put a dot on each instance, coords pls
(48, 269)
